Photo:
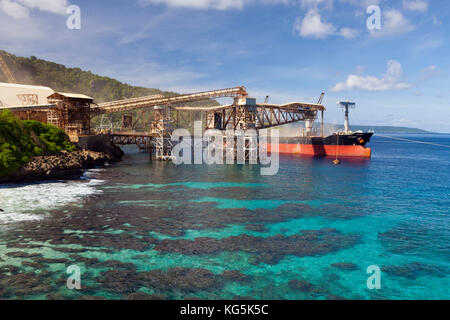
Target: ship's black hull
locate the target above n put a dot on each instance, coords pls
(342, 145)
(353, 139)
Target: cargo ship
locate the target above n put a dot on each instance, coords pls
(339, 144)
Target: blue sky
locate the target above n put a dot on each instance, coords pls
(291, 50)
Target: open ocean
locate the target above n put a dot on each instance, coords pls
(141, 229)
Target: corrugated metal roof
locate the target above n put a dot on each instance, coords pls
(23, 86)
(73, 95)
(18, 94)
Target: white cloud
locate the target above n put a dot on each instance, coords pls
(430, 71)
(13, 9)
(390, 81)
(416, 5)
(20, 9)
(313, 26)
(53, 6)
(348, 33)
(394, 23)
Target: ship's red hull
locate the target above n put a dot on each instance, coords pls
(322, 150)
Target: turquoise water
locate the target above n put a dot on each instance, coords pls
(226, 232)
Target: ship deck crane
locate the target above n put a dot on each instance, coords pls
(321, 98)
(322, 114)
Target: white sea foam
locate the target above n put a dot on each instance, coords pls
(95, 170)
(32, 202)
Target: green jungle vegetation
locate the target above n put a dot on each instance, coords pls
(22, 140)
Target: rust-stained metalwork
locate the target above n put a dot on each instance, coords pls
(144, 141)
(127, 122)
(47, 113)
(243, 114)
(260, 116)
(74, 113)
(162, 127)
(132, 104)
(124, 102)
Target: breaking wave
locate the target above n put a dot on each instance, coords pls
(20, 202)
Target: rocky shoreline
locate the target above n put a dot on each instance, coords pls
(64, 166)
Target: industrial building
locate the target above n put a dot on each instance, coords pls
(68, 111)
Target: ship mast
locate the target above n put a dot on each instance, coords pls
(346, 105)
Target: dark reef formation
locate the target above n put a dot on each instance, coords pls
(268, 250)
(301, 285)
(175, 279)
(119, 220)
(64, 166)
(345, 266)
(415, 270)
